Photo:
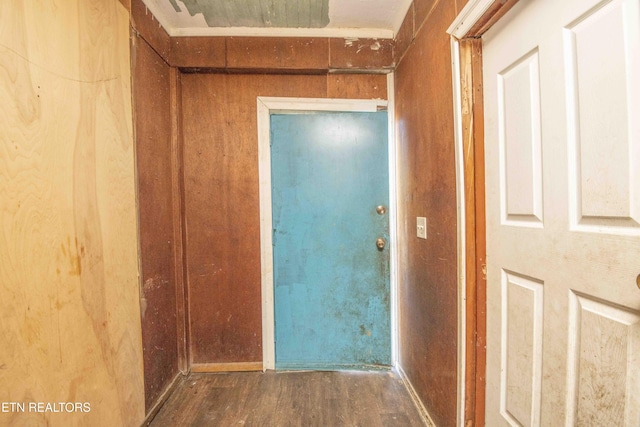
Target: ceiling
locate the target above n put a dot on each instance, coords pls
(281, 18)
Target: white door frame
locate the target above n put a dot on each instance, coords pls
(272, 105)
(469, 16)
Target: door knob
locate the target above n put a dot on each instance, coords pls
(381, 210)
(381, 243)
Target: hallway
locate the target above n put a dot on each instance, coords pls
(131, 187)
(303, 398)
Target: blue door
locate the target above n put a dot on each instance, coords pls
(329, 176)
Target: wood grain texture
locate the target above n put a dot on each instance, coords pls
(153, 113)
(126, 4)
(480, 233)
(222, 212)
(423, 9)
(270, 53)
(373, 399)
(290, 55)
(404, 37)
(362, 54)
(222, 209)
(144, 23)
(357, 86)
(166, 393)
(466, 89)
(206, 52)
(473, 148)
(427, 181)
(69, 313)
(177, 188)
(460, 4)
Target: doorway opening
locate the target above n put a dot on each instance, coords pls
(282, 106)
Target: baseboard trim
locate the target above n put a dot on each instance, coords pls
(226, 367)
(163, 399)
(414, 396)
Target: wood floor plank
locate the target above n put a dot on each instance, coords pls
(290, 399)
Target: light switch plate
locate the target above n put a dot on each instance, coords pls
(421, 227)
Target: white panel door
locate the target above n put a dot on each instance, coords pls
(562, 135)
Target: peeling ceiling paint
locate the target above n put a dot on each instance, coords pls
(260, 13)
(329, 18)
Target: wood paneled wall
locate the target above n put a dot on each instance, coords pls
(222, 202)
(428, 295)
(160, 293)
(69, 311)
(289, 54)
(219, 180)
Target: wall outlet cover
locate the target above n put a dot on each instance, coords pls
(421, 227)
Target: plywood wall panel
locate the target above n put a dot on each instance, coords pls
(362, 54)
(428, 279)
(205, 52)
(69, 313)
(271, 53)
(222, 213)
(126, 4)
(423, 9)
(363, 86)
(291, 55)
(460, 4)
(153, 117)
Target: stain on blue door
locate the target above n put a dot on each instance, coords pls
(329, 174)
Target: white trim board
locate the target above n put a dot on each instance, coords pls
(393, 217)
(266, 107)
(461, 237)
(468, 17)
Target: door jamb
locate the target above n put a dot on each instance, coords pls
(466, 53)
(266, 107)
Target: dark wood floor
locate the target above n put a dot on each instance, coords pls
(313, 398)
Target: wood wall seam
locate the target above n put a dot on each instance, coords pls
(419, 23)
(151, 414)
(126, 4)
(289, 55)
(422, 410)
(405, 35)
(153, 156)
(144, 23)
(177, 212)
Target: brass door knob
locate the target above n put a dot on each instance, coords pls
(381, 243)
(381, 210)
